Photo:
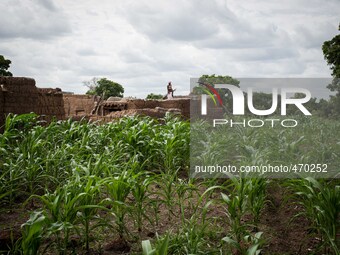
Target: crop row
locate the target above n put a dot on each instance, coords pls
(127, 181)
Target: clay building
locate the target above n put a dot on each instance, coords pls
(20, 95)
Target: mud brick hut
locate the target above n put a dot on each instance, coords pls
(20, 95)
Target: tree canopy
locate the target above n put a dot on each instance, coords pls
(4, 66)
(331, 51)
(218, 79)
(104, 88)
(212, 80)
(154, 96)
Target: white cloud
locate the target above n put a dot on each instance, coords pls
(144, 44)
(34, 19)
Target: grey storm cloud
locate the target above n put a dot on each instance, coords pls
(34, 19)
(264, 54)
(86, 52)
(176, 20)
(313, 37)
(48, 4)
(133, 55)
(144, 44)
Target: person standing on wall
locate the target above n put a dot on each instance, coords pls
(170, 94)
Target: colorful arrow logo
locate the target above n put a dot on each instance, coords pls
(211, 91)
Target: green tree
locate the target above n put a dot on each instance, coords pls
(218, 79)
(263, 101)
(331, 51)
(312, 105)
(154, 96)
(104, 88)
(4, 65)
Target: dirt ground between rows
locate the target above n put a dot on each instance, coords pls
(284, 233)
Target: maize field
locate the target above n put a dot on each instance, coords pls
(124, 188)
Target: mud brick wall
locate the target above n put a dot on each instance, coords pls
(20, 95)
(178, 103)
(50, 103)
(78, 105)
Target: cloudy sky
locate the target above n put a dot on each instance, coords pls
(146, 43)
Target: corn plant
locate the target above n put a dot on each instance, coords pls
(89, 207)
(11, 185)
(175, 146)
(184, 191)
(61, 206)
(247, 195)
(235, 210)
(30, 157)
(33, 231)
(140, 193)
(15, 128)
(256, 188)
(254, 242)
(118, 188)
(321, 203)
(194, 232)
(191, 238)
(166, 190)
(160, 249)
(237, 206)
